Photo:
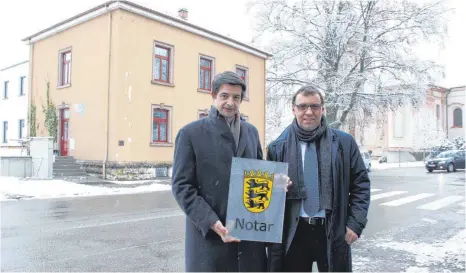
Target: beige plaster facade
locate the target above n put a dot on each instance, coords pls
(111, 90)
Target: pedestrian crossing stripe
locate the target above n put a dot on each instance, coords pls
(386, 194)
(432, 206)
(407, 199)
(438, 204)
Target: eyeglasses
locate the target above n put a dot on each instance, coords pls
(304, 107)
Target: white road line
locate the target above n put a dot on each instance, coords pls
(386, 194)
(408, 199)
(438, 204)
(374, 190)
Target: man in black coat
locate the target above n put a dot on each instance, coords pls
(201, 174)
(327, 205)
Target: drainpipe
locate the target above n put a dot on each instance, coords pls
(446, 110)
(30, 92)
(107, 117)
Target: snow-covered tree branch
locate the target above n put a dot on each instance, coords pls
(359, 53)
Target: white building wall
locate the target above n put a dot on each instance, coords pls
(13, 108)
(456, 99)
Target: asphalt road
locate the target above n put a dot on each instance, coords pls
(416, 223)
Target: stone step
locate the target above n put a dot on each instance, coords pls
(66, 167)
(69, 173)
(67, 159)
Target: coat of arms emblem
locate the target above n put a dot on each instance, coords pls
(257, 190)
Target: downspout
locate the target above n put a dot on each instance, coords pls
(265, 151)
(107, 117)
(446, 110)
(30, 79)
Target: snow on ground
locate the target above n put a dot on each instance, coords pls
(133, 182)
(453, 250)
(382, 166)
(13, 188)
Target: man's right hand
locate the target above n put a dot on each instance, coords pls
(223, 233)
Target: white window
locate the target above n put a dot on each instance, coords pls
(5, 90)
(21, 129)
(399, 124)
(5, 132)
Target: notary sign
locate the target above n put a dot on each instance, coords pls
(256, 200)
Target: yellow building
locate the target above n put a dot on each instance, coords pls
(126, 78)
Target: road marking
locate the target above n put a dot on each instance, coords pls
(438, 204)
(168, 215)
(386, 194)
(429, 220)
(374, 190)
(408, 199)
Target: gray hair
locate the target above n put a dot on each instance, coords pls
(308, 90)
(228, 77)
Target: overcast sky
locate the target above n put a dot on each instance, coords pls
(21, 18)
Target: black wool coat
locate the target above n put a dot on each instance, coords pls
(201, 173)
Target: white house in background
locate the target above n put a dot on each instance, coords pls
(455, 100)
(406, 130)
(13, 107)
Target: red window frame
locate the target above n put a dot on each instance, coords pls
(244, 73)
(205, 68)
(161, 58)
(243, 76)
(159, 122)
(66, 63)
(203, 115)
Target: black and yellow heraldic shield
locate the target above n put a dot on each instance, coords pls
(257, 193)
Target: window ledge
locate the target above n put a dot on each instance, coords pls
(63, 86)
(163, 83)
(154, 144)
(204, 91)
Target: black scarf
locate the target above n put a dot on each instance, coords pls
(324, 155)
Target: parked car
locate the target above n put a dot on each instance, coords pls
(383, 159)
(448, 160)
(367, 160)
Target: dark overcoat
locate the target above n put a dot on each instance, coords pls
(201, 174)
(351, 197)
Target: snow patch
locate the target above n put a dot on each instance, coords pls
(14, 188)
(429, 220)
(382, 166)
(453, 250)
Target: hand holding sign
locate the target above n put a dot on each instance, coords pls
(223, 232)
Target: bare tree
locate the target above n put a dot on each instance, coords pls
(428, 131)
(359, 53)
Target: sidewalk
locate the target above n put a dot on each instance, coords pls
(382, 166)
(12, 188)
(94, 181)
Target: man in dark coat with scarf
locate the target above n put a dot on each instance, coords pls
(201, 174)
(327, 205)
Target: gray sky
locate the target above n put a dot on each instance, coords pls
(21, 18)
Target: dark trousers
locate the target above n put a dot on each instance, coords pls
(309, 245)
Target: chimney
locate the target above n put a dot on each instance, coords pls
(183, 13)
